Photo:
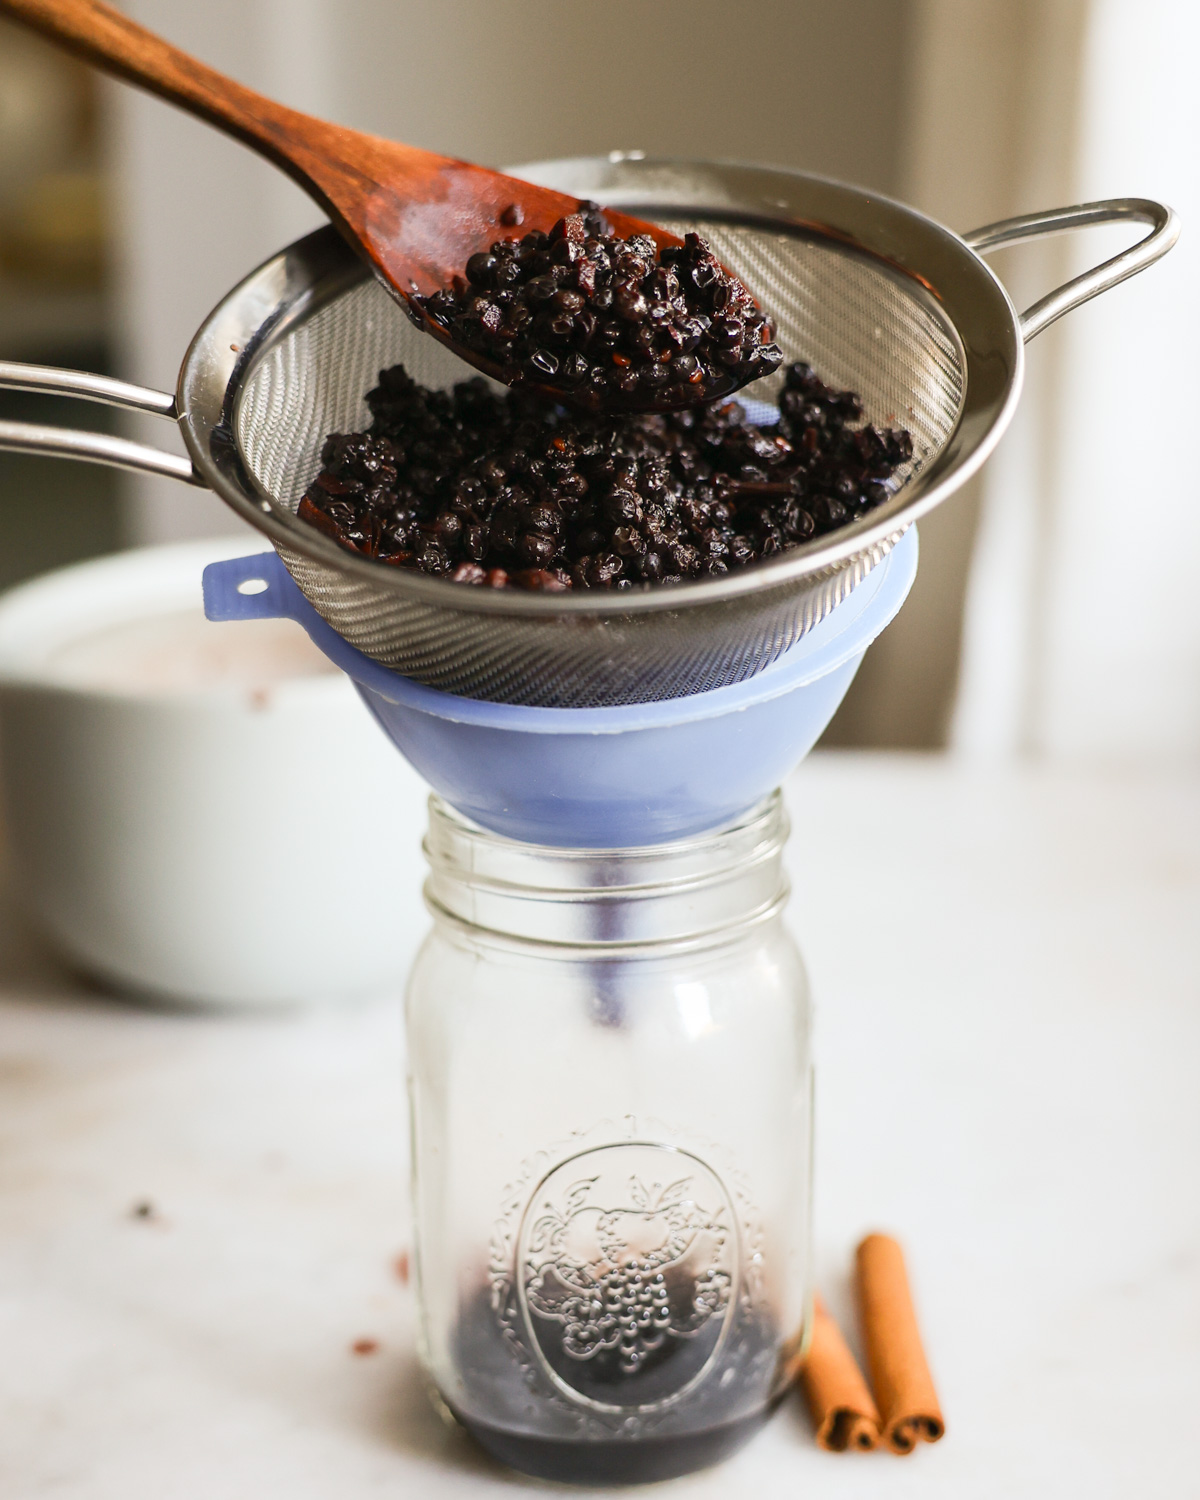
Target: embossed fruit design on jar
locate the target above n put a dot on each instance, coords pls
(614, 1292)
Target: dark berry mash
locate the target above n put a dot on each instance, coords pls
(506, 489)
(614, 325)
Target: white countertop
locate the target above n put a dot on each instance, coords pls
(1007, 970)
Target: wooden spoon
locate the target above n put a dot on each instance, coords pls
(414, 216)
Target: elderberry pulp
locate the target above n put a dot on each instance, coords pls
(609, 324)
(508, 490)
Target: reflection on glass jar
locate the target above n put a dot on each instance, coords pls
(610, 1087)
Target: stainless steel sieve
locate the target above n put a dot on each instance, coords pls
(879, 298)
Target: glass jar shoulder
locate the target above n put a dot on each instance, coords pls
(755, 976)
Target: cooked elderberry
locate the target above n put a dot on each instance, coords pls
(508, 490)
(612, 324)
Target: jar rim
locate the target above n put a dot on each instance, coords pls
(763, 812)
(566, 948)
(610, 898)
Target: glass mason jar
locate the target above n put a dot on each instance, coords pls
(611, 1109)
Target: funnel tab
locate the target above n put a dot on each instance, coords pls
(250, 588)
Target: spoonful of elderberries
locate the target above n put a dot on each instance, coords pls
(609, 324)
(604, 313)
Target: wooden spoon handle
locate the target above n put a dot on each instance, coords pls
(113, 42)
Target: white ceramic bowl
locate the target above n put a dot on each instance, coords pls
(192, 832)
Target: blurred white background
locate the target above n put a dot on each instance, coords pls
(1055, 610)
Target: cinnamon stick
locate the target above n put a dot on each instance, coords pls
(896, 1360)
(843, 1412)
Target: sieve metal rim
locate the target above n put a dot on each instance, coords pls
(939, 267)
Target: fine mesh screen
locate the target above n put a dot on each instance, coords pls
(860, 325)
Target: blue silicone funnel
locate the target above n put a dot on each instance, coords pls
(599, 777)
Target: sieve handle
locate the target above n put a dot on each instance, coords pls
(1163, 234)
(92, 447)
